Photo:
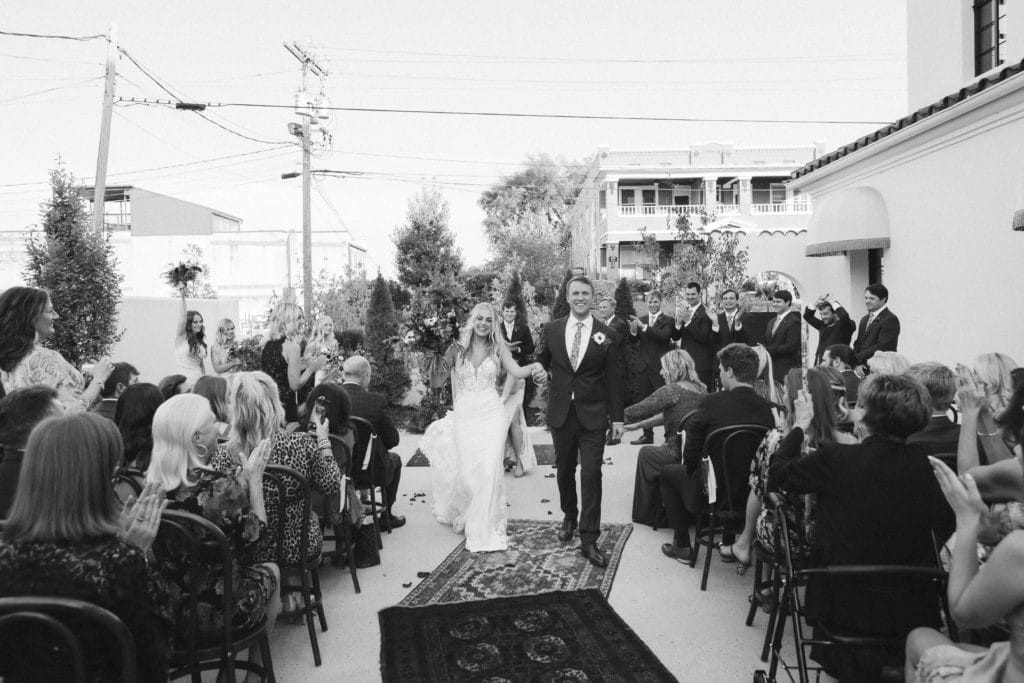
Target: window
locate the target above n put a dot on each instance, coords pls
(665, 197)
(989, 40)
(778, 193)
(648, 197)
(627, 197)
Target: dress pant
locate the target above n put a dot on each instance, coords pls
(392, 476)
(575, 444)
(650, 462)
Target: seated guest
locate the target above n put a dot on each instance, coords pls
(370, 406)
(256, 415)
(215, 390)
(764, 386)
(172, 385)
(824, 427)
(184, 437)
(735, 404)
(940, 435)
(65, 537)
(993, 371)
(1000, 482)
(121, 377)
(20, 411)
(842, 358)
(681, 393)
(134, 419)
(887, 363)
(977, 599)
(862, 490)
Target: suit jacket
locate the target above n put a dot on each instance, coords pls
(621, 329)
(783, 345)
(882, 335)
(697, 339)
(595, 386)
(107, 407)
(723, 409)
(520, 333)
(727, 335)
(878, 503)
(839, 332)
(371, 406)
(940, 435)
(653, 343)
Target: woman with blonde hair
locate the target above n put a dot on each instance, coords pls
(222, 353)
(668, 405)
(65, 537)
(888, 363)
(764, 385)
(282, 359)
(992, 372)
(323, 342)
(184, 438)
(467, 446)
(256, 415)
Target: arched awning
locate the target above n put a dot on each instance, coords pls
(847, 220)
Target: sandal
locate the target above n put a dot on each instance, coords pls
(727, 553)
(518, 470)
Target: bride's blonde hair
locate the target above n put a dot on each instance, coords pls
(494, 341)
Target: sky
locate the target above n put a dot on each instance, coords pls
(835, 69)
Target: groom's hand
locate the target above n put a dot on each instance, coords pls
(616, 430)
(540, 375)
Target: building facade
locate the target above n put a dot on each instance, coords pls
(630, 193)
(882, 205)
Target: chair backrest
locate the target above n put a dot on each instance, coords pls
(731, 450)
(197, 543)
(342, 455)
(65, 621)
(289, 486)
(681, 430)
(366, 453)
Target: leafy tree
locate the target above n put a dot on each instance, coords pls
(425, 245)
(201, 287)
(77, 266)
(345, 299)
(560, 308)
(624, 300)
(526, 214)
(389, 376)
(477, 282)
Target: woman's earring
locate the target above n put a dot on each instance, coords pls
(204, 451)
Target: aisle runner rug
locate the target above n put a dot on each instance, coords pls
(562, 636)
(535, 562)
(545, 456)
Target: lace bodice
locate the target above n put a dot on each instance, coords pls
(468, 379)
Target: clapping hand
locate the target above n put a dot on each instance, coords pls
(961, 492)
(102, 369)
(970, 392)
(634, 324)
(140, 519)
(256, 463)
(803, 410)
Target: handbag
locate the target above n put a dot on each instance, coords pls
(367, 551)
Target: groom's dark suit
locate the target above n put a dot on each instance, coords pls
(579, 404)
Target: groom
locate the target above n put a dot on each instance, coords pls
(581, 357)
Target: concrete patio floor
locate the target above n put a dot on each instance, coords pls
(699, 636)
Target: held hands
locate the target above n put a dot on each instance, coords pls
(140, 518)
(961, 493)
(631, 427)
(540, 375)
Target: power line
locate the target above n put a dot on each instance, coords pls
(528, 115)
(51, 61)
(52, 36)
(78, 84)
(630, 82)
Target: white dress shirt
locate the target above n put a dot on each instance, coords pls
(570, 334)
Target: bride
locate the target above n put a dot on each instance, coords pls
(467, 447)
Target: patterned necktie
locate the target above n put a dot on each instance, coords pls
(576, 340)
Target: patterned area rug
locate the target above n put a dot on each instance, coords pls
(562, 636)
(536, 562)
(545, 456)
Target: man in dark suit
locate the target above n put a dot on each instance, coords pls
(517, 334)
(694, 331)
(580, 356)
(652, 333)
(606, 314)
(941, 435)
(782, 336)
(121, 377)
(370, 406)
(727, 324)
(879, 330)
(735, 404)
(842, 358)
(834, 325)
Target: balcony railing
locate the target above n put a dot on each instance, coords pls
(781, 207)
(660, 210)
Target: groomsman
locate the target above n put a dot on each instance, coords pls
(653, 334)
(694, 330)
(879, 330)
(727, 324)
(782, 336)
(834, 325)
(606, 313)
(517, 335)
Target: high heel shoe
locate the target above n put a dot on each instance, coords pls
(727, 553)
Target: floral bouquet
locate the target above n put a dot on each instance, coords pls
(247, 352)
(182, 274)
(431, 332)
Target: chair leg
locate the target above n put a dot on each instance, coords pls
(773, 614)
(384, 506)
(755, 595)
(268, 664)
(308, 613)
(376, 515)
(696, 541)
(351, 548)
(707, 557)
(314, 574)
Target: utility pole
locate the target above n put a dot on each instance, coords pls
(307, 112)
(100, 184)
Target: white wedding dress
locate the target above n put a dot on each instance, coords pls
(466, 450)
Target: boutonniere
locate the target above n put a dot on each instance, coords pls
(600, 339)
